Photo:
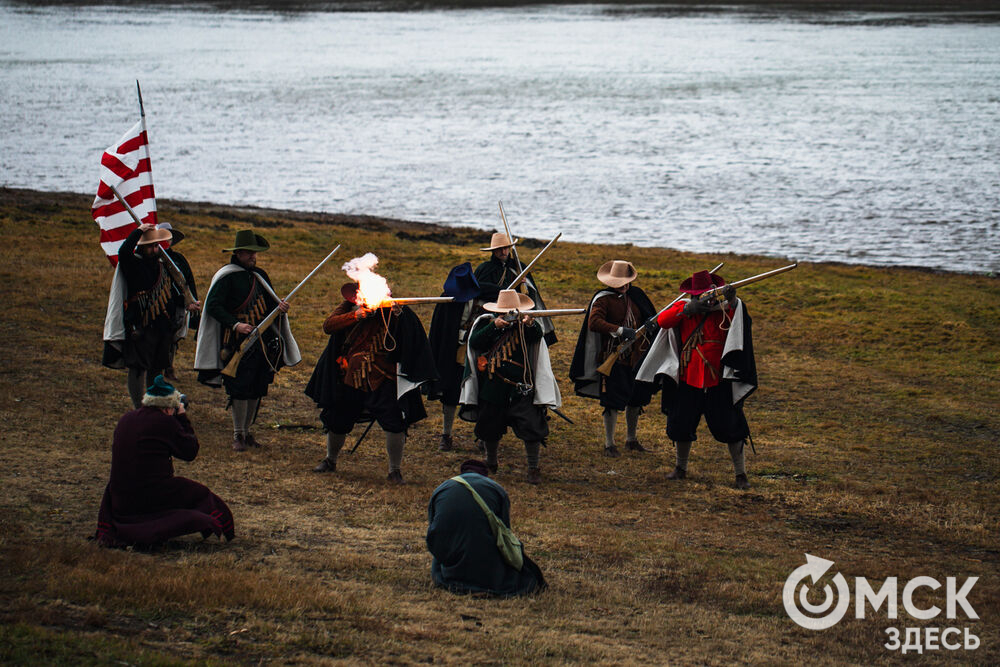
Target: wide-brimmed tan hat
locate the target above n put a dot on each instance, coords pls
(154, 235)
(500, 240)
(509, 300)
(616, 273)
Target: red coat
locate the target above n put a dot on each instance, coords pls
(704, 367)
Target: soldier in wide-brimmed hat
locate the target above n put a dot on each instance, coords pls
(704, 358)
(187, 318)
(142, 309)
(500, 270)
(240, 297)
(509, 381)
(615, 312)
(451, 324)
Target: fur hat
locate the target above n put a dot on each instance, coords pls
(161, 394)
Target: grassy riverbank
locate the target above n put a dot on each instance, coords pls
(876, 427)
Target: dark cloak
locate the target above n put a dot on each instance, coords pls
(412, 355)
(443, 338)
(586, 387)
(466, 558)
(144, 503)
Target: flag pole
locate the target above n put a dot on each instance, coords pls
(142, 119)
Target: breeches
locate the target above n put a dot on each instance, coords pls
(527, 420)
(620, 389)
(256, 370)
(726, 421)
(148, 349)
(352, 403)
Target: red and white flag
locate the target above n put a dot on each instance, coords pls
(126, 166)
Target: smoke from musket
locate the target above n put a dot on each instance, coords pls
(372, 288)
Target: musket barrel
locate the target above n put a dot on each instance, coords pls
(527, 268)
(550, 312)
(413, 300)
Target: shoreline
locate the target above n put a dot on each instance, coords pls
(432, 232)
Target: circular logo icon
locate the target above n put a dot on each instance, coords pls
(815, 616)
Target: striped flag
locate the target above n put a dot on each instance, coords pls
(125, 166)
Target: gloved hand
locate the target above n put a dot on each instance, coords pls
(729, 294)
(697, 306)
(627, 334)
(651, 326)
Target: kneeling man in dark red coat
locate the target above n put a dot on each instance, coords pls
(144, 504)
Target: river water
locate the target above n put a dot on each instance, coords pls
(854, 137)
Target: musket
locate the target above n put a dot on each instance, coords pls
(413, 301)
(175, 273)
(513, 315)
(513, 248)
(265, 324)
(605, 368)
(714, 292)
(524, 272)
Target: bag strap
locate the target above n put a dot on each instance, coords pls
(490, 514)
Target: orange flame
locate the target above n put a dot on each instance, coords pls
(373, 289)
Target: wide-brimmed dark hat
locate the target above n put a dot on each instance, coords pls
(701, 282)
(247, 239)
(461, 283)
(176, 236)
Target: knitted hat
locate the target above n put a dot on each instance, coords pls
(161, 394)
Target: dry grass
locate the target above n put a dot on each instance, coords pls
(876, 426)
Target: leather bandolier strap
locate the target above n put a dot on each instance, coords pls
(693, 343)
(509, 349)
(364, 362)
(152, 302)
(251, 311)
